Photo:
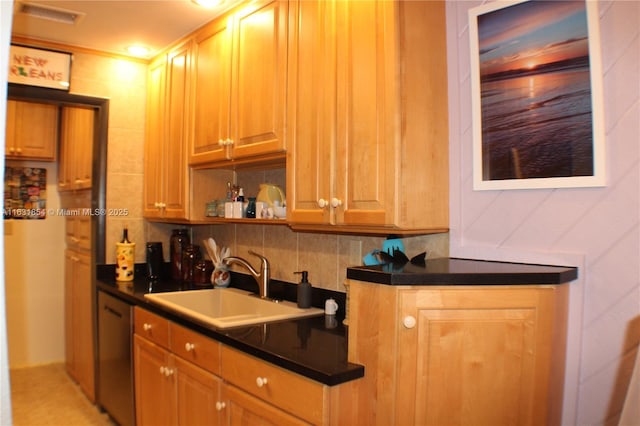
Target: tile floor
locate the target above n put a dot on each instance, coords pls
(45, 395)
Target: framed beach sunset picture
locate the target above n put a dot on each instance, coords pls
(537, 105)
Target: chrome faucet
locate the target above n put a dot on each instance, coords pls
(262, 277)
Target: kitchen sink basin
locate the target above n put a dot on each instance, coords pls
(229, 307)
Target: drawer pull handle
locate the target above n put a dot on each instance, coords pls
(220, 406)
(146, 326)
(409, 321)
(189, 347)
(261, 381)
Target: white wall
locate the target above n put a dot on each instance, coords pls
(34, 282)
(596, 229)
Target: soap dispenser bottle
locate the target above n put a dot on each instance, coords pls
(304, 291)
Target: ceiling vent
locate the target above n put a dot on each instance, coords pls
(49, 13)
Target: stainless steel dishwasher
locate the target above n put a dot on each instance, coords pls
(115, 372)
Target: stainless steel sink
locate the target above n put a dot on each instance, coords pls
(229, 307)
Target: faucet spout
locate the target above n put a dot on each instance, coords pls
(262, 277)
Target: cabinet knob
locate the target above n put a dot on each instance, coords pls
(336, 202)
(221, 142)
(261, 381)
(189, 347)
(220, 405)
(322, 203)
(19, 150)
(166, 371)
(409, 321)
(12, 150)
(229, 142)
(146, 326)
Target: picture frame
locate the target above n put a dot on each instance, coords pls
(39, 67)
(537, 103)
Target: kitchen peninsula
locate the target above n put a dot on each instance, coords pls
(457, 331)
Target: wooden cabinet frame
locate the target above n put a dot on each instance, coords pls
(459, 354)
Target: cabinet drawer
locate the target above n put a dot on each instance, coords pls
(151, 326)
(78, 232)
(286, 390)
(195, 347)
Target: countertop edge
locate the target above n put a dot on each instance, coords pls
(355, 371)
(396, 275)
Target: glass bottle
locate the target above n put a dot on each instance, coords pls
(125, 257)
(179, 240)
(190, 258)
(251, 208)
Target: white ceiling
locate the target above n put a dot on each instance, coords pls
(113, 25)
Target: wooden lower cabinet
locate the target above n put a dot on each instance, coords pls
(79, 349)
(483, 355)
(244, 409)
(185, 378)
(172, 391)
(79, 294)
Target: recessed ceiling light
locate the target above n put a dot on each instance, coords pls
(137, 50)
(208, 3)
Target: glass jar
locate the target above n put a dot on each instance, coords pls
(179, 240)
(203, 271)
(190, 258)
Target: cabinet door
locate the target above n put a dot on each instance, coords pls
(198, 392)
(79, 356)
(259, 76)
(69, 314)
(83, 324)
(311, 107)
(211, 92)
(154, 384)
(244, 409)
(367, 104)
(474, 357)
(32, 130)
(155, 139)
(175, 149)
(76, 148)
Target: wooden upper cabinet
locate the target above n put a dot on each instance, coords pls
(240, 79)
(311, 110)
(367, 117)
(154, 138)
(32, 131)
(211, 92)
(166, 172)
(76, 148)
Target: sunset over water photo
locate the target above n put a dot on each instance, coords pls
(535, 91)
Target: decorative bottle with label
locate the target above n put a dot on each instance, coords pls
(125, 257)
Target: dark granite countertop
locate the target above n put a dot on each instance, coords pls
(455, 271)
(314, 347)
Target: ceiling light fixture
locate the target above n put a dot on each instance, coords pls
(208, 3)
(139, 51)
